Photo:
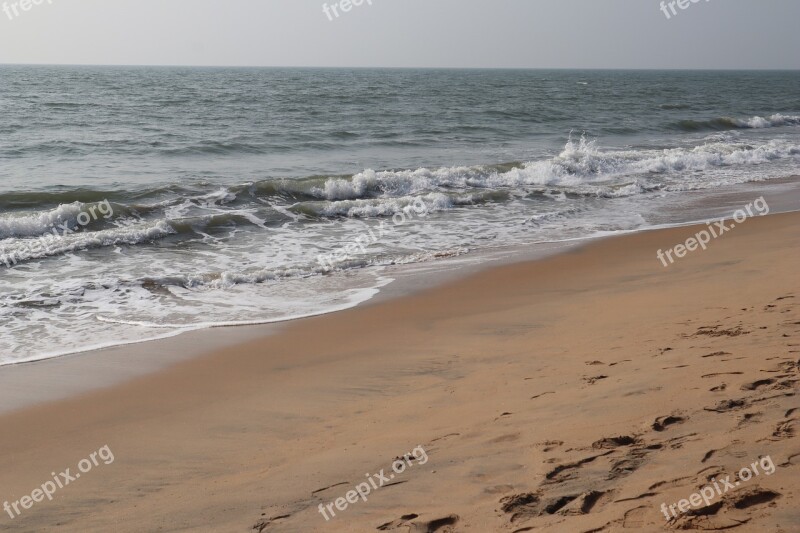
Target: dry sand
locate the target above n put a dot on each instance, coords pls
(575, 394)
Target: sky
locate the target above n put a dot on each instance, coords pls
(716, 34)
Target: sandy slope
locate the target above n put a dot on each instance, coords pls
(577, 394)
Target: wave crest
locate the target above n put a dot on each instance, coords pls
(729, 123)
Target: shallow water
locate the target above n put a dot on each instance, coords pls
(178, 198)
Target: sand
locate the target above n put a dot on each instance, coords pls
(577, 393)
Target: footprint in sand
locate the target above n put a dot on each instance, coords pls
(732, 511)
(784, 430)
(530, 505)
(564, 472)
(727, 405)
(749, 418)
(755, 385)
(637, 518)
(635, 457)
(663, 422)
(615, 442)
(438, 525)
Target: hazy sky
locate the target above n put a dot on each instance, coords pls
(406, 33)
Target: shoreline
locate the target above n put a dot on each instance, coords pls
(502, 377)
(23, 383)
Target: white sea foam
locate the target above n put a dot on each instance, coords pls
(20, 250)
(773, 121)
(34, 224)
(580, 164)
(386, 207)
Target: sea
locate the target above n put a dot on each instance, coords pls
(138, 203)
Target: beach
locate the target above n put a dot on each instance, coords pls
(587, 391)
(291, 268)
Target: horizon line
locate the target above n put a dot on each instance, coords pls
(343, 67)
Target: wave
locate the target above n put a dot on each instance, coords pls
(32, 225)
(22, 250)
(580, 169)
(728, 123)
(11, 200)
(222, 148)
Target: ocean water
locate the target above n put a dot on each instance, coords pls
(137, 203)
